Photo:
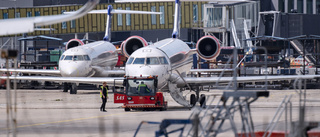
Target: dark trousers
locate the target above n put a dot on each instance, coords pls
(103, 105)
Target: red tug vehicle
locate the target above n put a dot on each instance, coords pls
(140, 93)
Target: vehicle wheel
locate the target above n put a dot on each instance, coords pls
(65, 87)
(193, 100)
(126, 109)
(73, 89)
(202, 100)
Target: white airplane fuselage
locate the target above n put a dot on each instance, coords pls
(88, 60)
(149, 60)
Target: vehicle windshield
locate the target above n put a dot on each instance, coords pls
(139, 87)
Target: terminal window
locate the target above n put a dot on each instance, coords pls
(17, 15)
(29, 14)
(73, 23)
(153, 16)
(162, 15)
(63, 24)
(195, 13)
(120, 18)
(5, 15)
(128, 17)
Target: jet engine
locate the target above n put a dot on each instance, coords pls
(74, 43)
(208, 47)
(132, 44)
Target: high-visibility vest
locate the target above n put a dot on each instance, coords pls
(143, 85)
(102, 91)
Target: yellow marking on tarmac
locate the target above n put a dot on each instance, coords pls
(63, 121)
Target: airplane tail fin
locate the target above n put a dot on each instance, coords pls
(175, 33)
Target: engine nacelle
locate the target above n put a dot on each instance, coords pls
(208, 47)
(131, 44)
(74, 43)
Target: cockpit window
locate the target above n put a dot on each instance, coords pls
(139, 61)
(86, 57)
(130, 60)
(61, 58)
(152, 61)
(78, 58)
(68, 58)
(75, 57)
(163, 60)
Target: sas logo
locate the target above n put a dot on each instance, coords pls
(120, 98)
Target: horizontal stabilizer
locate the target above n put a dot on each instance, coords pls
(119, 12)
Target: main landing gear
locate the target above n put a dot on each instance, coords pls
(72, 86)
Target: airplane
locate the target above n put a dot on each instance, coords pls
(171, 61)
(96, 59)
(26, 25)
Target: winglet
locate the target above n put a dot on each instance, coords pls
(175, 33)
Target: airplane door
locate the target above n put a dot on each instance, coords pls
(119, 93)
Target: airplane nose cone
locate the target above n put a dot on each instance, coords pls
(74, 69)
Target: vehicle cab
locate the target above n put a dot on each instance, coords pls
(140, 93)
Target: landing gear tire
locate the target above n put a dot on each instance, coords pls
(126, 109)
(73, 89)
(202, 100)
(193, 100)
(65, 87)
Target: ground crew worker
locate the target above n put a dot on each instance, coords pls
(104, 96)
(143, 86)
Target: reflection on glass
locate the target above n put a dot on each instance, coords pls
(61, 58)
(86, 57)
(130, 60)
(152, 61)
(163, 60)
(78, 58)
(68, 58)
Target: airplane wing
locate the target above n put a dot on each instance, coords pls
(213, 80)
(210, 70)
(117, 72)
(106, 73)
(34, 71)
(88, 80)
(25, 25)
